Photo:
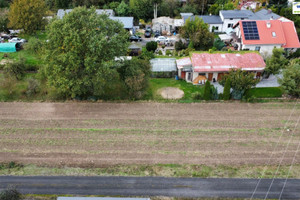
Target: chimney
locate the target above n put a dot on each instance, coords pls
(268, 24)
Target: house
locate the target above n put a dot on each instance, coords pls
(185, 68)
(163, 25)
(264, 14)
(212, 67)
(265, 35)
(126, 21)
(215, 23)
(163, 67)
(231, 17)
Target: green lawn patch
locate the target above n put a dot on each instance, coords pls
(31, 58)
(270, 92)
(188, 88)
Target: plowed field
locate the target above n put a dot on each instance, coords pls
(107, 134)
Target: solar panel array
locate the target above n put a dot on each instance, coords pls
(250, 30)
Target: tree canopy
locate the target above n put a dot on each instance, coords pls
(27, 15)
(198, 33)
(276, 62)
(81, 51)
(291, 79)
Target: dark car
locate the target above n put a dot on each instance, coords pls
(135, 38)
(156, 34)
(147, 34)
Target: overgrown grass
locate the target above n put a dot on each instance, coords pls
(166, 170)
(270, 92)
(188, 88)
(31, 58)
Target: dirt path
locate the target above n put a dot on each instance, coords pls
(103, 134)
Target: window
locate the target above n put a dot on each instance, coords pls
(230, 25)
(242, 18)
(257, 48)
(273, 34)
(202, 74)
(216, 28)
(231, 18)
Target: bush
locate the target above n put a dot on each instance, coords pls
(160, 52)
(207, 91)
(291, 80)
(226, 93)
(34, 45)
(10, 193)
(33, 87)
(168, 52)
(15, 69)
(179, 45)
(8, 85)
(197, 96)
(151, 46)
(146, 55)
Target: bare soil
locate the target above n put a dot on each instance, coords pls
(107, 134)
(171, 93)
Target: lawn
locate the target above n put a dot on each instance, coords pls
(270, 92)
(31, 58)
(188, 88)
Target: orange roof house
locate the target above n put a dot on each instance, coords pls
(264, 35)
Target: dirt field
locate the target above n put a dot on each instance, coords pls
(104, 134)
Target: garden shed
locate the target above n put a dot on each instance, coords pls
(163, 67)
(9, 47)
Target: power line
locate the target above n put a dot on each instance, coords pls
(265, 168)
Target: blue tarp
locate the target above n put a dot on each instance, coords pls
(8, 47)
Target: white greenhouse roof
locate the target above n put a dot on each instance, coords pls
(163, 65)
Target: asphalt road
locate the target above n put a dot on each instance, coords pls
(152, 186)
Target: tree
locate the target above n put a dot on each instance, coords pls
(141, 9)
(155, 6)
(81, 51)
(123, 9)
(135, 73)
(226, 93)
(207, 91)
(291, 80)
(10, 193)
(198, 33)
(151, 46)
(276, 62)
(4, 23)
(27, 15)
(240, 82)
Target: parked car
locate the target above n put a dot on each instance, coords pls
(135, 38)
(147, 34)
(148, 29)
(162, 39)
(15, 39)
(156, 34)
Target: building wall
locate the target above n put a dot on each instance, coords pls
(228, 21)
(215, 25)
(265, 49)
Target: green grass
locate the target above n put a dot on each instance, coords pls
(271, 92)
(188, 88)
(167, 170)
(31, 58)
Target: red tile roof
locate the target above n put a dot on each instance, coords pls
(292, 40)
(206, 62)
(285, 33)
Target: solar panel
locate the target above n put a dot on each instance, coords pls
(250, 30)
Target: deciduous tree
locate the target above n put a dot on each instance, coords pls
(198, 33)
(81, 51)
(291, 80)
(276, 62)
(27, 15)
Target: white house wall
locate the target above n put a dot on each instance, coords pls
(215, 25)
(264, 48)
(228, 21)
